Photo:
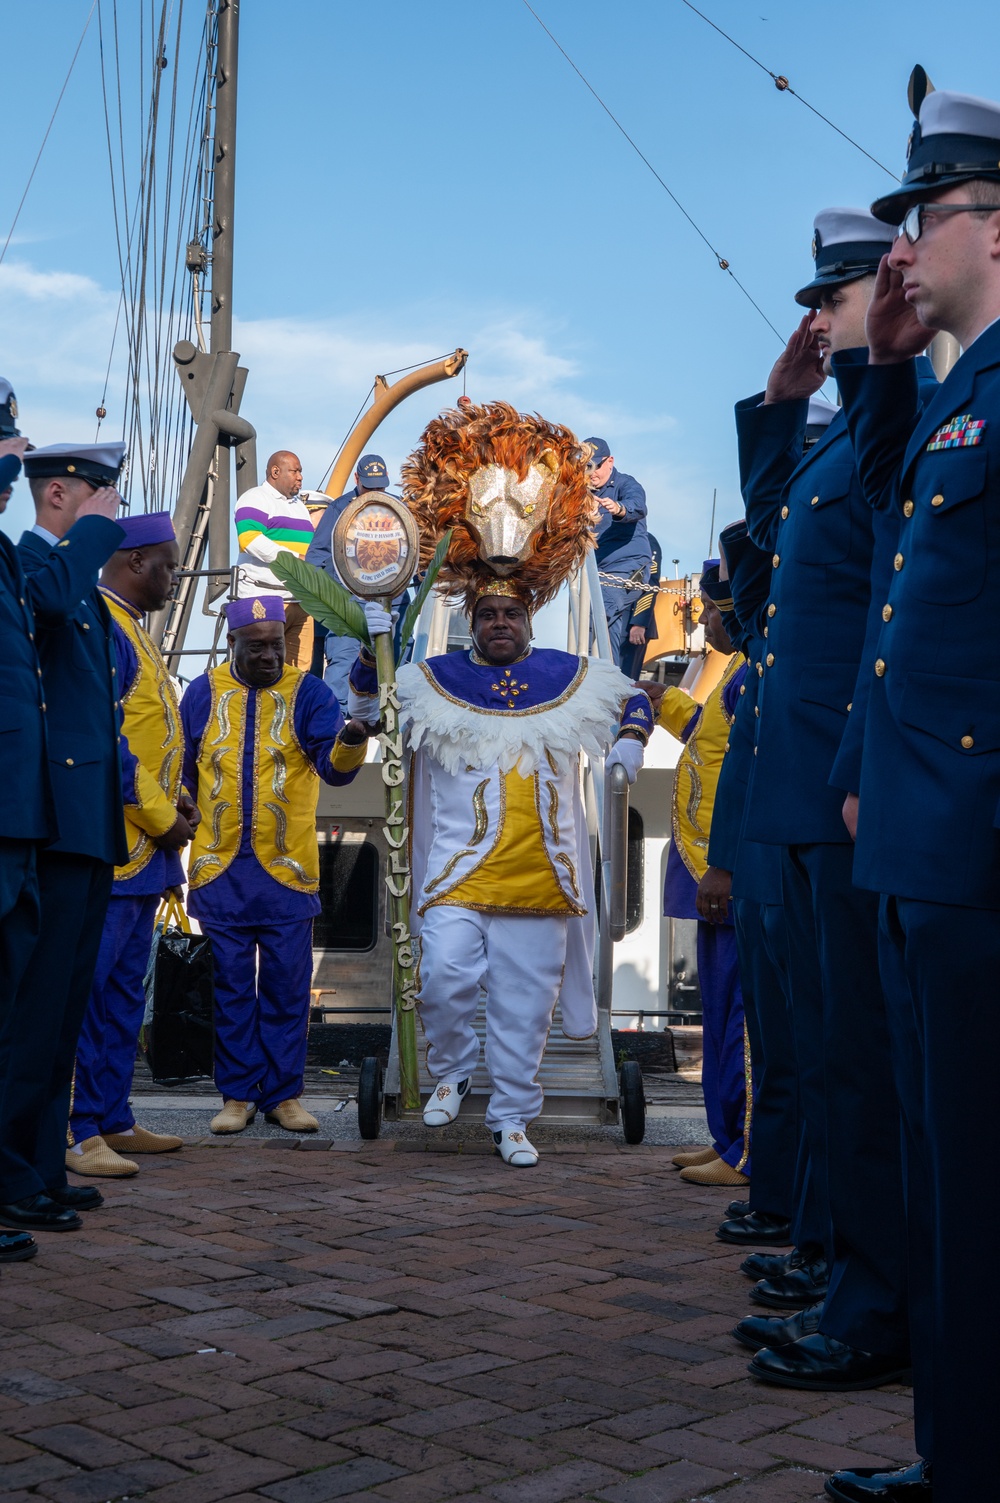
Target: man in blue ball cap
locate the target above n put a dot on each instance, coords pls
(623, 553)
(928, 814)
(340, 653)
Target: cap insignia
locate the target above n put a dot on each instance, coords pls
(258, 611)
(71, 469)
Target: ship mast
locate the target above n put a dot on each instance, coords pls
(213, 380)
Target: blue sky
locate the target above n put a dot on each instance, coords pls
(419, 174)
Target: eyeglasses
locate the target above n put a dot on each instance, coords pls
(913, 224)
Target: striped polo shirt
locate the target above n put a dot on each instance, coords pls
(266, 522)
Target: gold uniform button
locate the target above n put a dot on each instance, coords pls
(771, 610)
(42, 705)
(814, 501)
(937, 500)
(850, 707)
(765, 631)
(69, 762)
(86, 625)
(756, 710)
(760, 671)
(726, 747)
(755, 751)
(776, 560)
(907, 508)
(887, 613)
(897, 562)
(784, 513)
(770, 660)
(39, 672)
(968, 742)
(879, 668)
(743, 688)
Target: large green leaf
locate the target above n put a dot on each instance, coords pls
(324, 598)
(417, 604)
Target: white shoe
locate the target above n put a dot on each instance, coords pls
(444, 1101)
(512, 1145)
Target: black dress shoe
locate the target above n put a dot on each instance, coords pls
(793, 1290)
(823, 1365)
(738, 1208)
(867, 1485)
(773, 1265)
(77, 1197)
(758, 1228)
(38, 1213)
(773, 1331)
(17, 1248)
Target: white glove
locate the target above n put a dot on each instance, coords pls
(362, 707)
(627, 752)
(378, 618)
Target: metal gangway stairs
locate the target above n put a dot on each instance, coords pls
(582, 1081)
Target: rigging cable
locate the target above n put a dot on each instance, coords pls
(784, 87)
(721, 260)
(48, 128)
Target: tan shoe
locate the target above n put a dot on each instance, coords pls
(234, 1117)
(141, 1140)
(716, 1173)
(694, 1156)
(293, 1117)
(98, 1158)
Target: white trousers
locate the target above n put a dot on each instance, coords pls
(519, 960)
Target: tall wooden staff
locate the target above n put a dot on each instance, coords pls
(376, 547)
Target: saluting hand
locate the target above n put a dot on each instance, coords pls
(13, 446)
(798, 371)
(102, 503)
(893, 330)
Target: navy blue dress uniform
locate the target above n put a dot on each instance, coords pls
(76, 653)
(929, 814)
(644, 615)
(808, 511)
(26, 812)
(623, 553)
(757, 916)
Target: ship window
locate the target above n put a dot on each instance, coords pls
(636, 873)
(348, 891)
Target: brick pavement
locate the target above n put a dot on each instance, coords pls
(247, 1322)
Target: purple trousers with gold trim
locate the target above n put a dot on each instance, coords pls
(262, 978)
(725, 1063)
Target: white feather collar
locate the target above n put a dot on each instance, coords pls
(458, 734)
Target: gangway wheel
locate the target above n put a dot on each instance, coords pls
(370, 1092)
(632, 1099)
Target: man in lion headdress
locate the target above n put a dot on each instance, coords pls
(502, 879)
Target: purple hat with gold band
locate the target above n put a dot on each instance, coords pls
(254, 608)
(145, 529)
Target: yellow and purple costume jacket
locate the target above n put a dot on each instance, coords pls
(704, 730)
(253, 762)
(496, 810)
(152, 752)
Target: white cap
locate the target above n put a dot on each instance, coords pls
(97, 462)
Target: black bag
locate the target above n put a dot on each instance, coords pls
(180, 997)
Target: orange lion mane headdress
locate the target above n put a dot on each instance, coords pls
(513, 490)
